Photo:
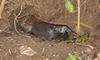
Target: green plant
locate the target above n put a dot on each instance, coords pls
(69, 6)
(80, 39)
(83, 38)
(73, 56)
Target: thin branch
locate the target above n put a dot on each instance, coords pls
(2, 7)
(84, 25)
(16, 20)
(78, 22)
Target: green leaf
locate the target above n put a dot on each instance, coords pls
(69, 6)
(73, 56)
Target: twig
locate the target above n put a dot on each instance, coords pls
(83, 3)
(98, 3)
(78, 22)
(84, 25)
(16, 20)
(2, 7)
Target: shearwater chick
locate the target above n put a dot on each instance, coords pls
(49, 31)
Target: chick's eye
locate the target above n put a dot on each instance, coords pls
(55, 31)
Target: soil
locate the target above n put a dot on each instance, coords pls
(54, 12)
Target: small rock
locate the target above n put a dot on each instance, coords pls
(0, 30)
(89, 49)
(46, 59)
(25, 50)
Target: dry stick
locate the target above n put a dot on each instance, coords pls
(78, 22)
(84, 25)
(98, 4)
(2, 7)
(15, 20)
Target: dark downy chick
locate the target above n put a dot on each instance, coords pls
(49, 31)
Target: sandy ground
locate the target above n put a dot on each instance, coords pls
(51, 11)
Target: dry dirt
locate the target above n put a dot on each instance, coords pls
(52, 11)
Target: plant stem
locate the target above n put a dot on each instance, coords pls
(2, 7)
(78, 22)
